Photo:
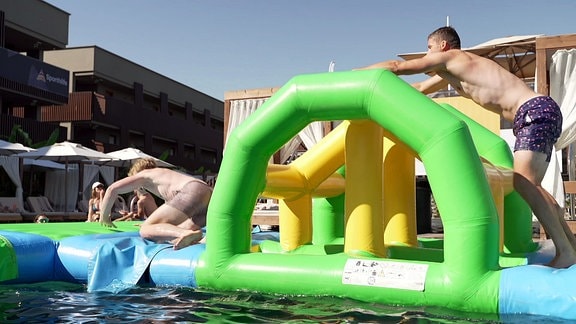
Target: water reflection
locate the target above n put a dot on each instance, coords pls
(70, 303)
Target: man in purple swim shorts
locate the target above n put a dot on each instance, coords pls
(537, 121)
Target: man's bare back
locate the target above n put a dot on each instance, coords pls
(180, 219)
(164, 182)
(485, 82)
(472, 76)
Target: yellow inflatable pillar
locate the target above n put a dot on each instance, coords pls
(364, 234)
(501, 184)
(399, 208)
(295, 222)
(311, 175)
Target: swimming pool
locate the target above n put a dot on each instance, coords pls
(57, 302)
(51, 301)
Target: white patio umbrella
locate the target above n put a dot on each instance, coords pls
(7, 148)
(66, 152)
(127, 156)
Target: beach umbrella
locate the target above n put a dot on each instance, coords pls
(127, 156)
(7, 148)
(66, 152)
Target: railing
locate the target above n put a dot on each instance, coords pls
(37, 131)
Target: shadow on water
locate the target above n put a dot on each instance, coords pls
(55, 302)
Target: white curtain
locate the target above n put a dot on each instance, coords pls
(12, 166)
(289, 148)
(88, 178)
(241, 109)
(312, 134)
(61, 188)
(309, 136)
(107, 173)
(563, 91)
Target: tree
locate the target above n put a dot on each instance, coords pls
(17, 132)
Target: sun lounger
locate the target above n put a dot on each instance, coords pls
(266, 213)
(9, 210)
(41, 205)
(265, 217)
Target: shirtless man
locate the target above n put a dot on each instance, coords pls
(537, 122)
(180, 219)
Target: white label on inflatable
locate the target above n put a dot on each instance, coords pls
(387, 274)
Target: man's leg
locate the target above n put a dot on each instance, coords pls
(168, 224)
(529, 170)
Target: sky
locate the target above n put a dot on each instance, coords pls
(216, 46)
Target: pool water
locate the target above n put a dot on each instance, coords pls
(56, 302)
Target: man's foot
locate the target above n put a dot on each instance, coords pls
(190, 238)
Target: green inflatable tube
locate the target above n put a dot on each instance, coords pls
(466, 279)
(518, 215)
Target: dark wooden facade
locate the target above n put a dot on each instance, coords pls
(193, 140)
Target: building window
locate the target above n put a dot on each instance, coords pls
(189, 152)
(198, 118)
(209, 156)
(163, 145)
(112, 139)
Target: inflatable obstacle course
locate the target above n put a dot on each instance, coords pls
(347, 223)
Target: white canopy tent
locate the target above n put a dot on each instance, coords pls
(92, 173)
(563, 90)
(242, 108)
(60, 188)
(9, 148)
(42, 164)
(11, 165)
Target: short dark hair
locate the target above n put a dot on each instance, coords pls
(447, 34)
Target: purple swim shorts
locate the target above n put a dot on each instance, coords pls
(537, 126)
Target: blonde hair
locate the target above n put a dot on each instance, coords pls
(94, 194)
(141, 164)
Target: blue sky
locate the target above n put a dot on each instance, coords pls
(216, 46)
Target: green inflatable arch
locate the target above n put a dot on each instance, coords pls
(468, 276)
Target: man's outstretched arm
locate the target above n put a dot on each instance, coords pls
(430, 85)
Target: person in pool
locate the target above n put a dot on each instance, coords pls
(537, 122)
(180, 219)
(41, 218)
